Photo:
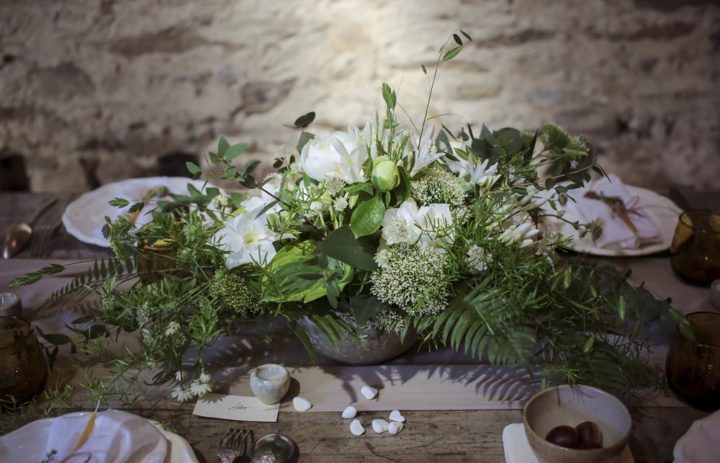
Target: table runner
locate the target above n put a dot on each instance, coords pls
(440, 380)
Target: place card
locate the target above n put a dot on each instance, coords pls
(235, 407)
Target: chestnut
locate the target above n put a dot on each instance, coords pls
(589, 434)
(564, 436)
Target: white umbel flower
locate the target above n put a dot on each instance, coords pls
(172, 328)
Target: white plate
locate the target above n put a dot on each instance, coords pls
(28, 444)
(85, 217)
(659, 209)
(701, 443)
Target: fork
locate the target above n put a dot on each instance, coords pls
(236, 443)
(40, 238)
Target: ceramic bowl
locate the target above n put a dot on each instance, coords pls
(572, 405)
(270, 383)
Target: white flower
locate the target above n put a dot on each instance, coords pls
(381, 258)
(204, 378)
(523, 234)
(340, 204)
(424, 151)
(339, 155)
(181, 393)
(249, 240)
(532, 200)
(410, 224)
(258, 199)
(179, 376)
(479, 173)
(172, 328)
(199, 389)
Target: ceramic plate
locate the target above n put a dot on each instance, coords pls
(85, 217)
(700, 442)
(659, 209)
(29, 442)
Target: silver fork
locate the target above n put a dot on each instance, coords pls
(236, 443)
(40, 238)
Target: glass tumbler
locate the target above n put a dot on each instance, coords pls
(23, 367)
(695, 249)
(693, 366)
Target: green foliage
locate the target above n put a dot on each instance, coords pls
(367, 218)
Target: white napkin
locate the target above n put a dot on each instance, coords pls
(118, 437)
(616, 233)
(701, 444)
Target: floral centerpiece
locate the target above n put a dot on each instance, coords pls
(403, 225)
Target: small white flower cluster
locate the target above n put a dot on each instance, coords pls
(439, 186)
(413, 279)
(393, 425)
(183, 392)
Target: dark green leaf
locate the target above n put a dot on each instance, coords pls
(304, 138)
(467, 36)
(452, 53)
(424, 69)
(136, 207)
(342, 245)
(457, 39)
(389, 96)
(305, 120)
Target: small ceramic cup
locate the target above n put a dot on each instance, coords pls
(10, 305)
(269, 382)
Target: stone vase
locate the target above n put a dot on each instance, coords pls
(375, 346)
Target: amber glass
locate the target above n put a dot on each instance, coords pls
(695, 249)
(693, 366)
(23, 367)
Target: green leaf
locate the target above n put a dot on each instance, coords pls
(587, 347)
(119, 202)
(305, 120)
(235, 151)
(365, 307)
(223, 146)
(452, 53)
(304, 138)
(457, 39)
(193, 169)
(342, 245)
(389, 96)
(621, 307)
(424, 69)
(368, 217)
(136, 207)
(467, 36)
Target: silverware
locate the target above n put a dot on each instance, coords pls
(41, 239)
(274, 448)
(236, 443)
(18, 235)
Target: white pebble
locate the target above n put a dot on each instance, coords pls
(349, 412)
(356, 428)
(395, 427)
(301, 404)
(369, 392)
(380, 426)
(395, 415)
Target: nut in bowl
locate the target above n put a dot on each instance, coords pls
(586, 416)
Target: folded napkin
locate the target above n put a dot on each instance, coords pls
(117, 437)
(701, 444)
(608, 201)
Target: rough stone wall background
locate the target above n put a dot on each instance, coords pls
(108, 86)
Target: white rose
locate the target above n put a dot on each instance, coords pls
(339, 155)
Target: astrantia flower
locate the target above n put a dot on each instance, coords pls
(478, 258)
(172, 328)
(199, 389)
(424, 151)
(340, 204)
(410, 224)
(439, 186)
(182, 393)
(474, 171)
(249, 240)
(339, 155)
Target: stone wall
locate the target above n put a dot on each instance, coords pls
(97, 90)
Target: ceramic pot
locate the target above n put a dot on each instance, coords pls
(374, 347)
(23, 368)
(269, 383)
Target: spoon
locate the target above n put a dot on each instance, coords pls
(274, 448)
(18, 235)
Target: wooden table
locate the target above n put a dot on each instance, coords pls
(443, 436)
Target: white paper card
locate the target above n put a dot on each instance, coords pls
(235, 407)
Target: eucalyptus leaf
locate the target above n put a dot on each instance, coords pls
(452, 53)
(367, 217)
(305, 120)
